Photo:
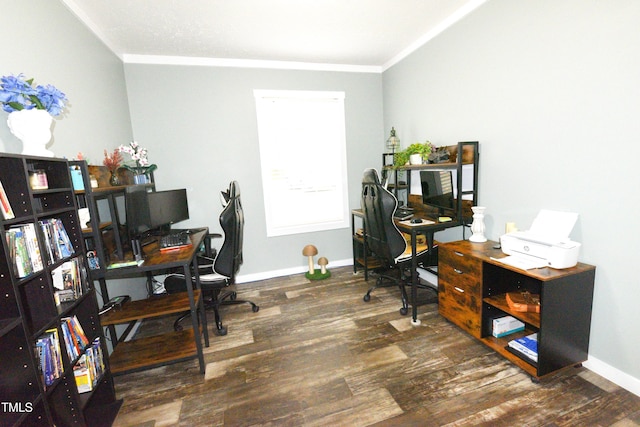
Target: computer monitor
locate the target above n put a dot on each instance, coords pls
(168, 207)
(154, 212)
(437, 189)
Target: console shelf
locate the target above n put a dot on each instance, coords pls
(472, 289)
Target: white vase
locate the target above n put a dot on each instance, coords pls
(415, 159)
(477, 227)
(33, 128)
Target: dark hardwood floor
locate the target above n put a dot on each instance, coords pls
(317, 355)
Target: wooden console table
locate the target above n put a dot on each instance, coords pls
(472, 289)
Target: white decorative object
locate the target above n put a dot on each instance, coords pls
(33, 128)
(415, 159)
(477, 227)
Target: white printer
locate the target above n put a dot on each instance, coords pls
(546, 243)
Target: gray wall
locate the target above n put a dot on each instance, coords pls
(550, 89)
(43, 40)
(199, 125)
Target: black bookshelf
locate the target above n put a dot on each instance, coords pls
(38, 289)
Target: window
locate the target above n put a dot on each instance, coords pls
(304, 161)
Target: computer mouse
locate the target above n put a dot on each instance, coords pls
(416, 220)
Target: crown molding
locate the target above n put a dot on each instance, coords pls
(247, 63)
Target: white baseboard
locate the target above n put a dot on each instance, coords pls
(614, 375)
(245, 278)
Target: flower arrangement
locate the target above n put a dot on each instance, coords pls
(140, 158)
(18, 94)
(113, 161)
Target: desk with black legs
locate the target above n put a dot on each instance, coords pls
(172, 346)
(428, 227)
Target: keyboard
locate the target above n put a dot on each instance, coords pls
(174, 241)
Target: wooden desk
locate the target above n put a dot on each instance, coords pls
(428, 229)
(173, 346)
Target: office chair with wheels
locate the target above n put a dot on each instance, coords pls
(219, 272)
(387, 244)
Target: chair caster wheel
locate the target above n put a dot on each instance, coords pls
(255, 308)
(233, 296)
(366, 298)
(221, 331)
(178, 328)
(404, 311)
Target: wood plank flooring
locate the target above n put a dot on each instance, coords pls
(317, 355)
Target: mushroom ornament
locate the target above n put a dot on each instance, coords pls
(322, 262)
(310, 251)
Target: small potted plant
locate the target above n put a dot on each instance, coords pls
(415, 154)
(112, 162)
(141, 167)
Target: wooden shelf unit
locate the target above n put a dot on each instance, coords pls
(154, 350)
(472, 289)
(470, 156)
(169, 347)
(28, 308)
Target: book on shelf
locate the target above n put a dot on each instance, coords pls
(24, 250)
(5, 205)
(57, 240)
(67, 281)
(523, 301)
(75, 339)
(527, 346)
(89, 367)
(47, 349)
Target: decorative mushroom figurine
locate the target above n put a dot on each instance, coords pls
(322, 262)
(310, 251)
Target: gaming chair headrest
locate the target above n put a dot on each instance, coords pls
(232, 192)
(371, 177)
(234, 189)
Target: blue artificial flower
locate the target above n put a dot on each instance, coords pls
(17, 94)
(51, 98)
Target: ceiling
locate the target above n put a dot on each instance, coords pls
(363, 33)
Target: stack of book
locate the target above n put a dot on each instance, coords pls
(22, 243)
(525, 347)
(47, 351)
(89, 367)
(75, 339)
(67, 281)
(57, 240)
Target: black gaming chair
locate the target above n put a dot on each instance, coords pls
(385, 240)
(218, 273)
